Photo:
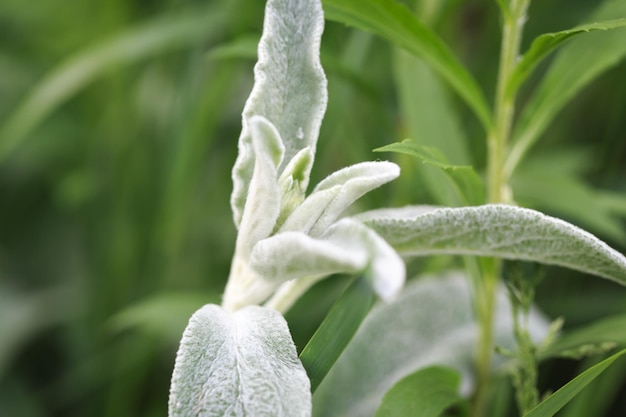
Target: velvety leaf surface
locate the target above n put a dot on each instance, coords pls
(289, 89)
(346, 247)
(241, 364)
(335, 193)
(502, 231)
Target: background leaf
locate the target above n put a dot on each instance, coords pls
(431, 322)
(429, 117)
(545, 44)
(396, 23)
(78, 70)
(609, 329)
(576, 65)
(425, 393)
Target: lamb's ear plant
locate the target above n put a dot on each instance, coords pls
(238, 358)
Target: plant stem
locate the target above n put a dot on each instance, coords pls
(498, 192)
(504, 104)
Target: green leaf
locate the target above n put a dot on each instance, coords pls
(431, 322)
(467, 183)
(545, 44)
(425, 393)
(241, 363)
(576, 65)
(394, 22)
(336, 331)
(69, 77)
(499, 231)
(551, 405)
(289, 88)
(610, 329)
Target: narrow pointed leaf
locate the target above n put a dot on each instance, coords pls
(336, 331)
(576, 65)
(468, 184)
(240, 364)
(425, 393)
(502, 231)
(263, 203)
(393, 21)
(289, 89)
(333, 195)
(545, 44)
(431, 322)
(551, 405)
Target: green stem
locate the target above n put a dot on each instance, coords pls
(498, 139)
(498, 192)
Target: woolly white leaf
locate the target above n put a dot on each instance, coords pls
(241, 364)
(336, 193)
(502, 231)
(431, 322)
(263, 203)
(346, 247)
(292, 255)
(386, 268)
(289, 89)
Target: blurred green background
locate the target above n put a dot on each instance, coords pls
(119, 122)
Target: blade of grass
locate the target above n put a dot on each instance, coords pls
(551, 405)
(336, 331)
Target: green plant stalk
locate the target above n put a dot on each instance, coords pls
(497, 191)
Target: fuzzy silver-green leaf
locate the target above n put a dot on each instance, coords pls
(501, 231)
(289, 89)
(241, 364)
